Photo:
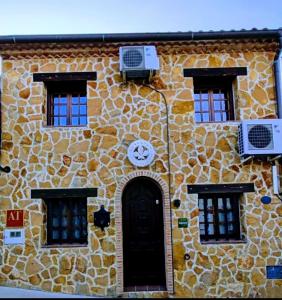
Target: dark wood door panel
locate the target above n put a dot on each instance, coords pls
(143, 233)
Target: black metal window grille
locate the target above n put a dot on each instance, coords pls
(66, 221)
(219, 217)
(67, 104)
(213, 100)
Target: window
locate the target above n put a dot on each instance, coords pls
(66, 221)
(219, 217)
(67, 103)
(213, 99)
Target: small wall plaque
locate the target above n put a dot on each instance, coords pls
(274, 272)
(14, 218)
(14, 236)
(182, 223)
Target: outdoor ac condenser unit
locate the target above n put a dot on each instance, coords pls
(260, 137)
(138, 62)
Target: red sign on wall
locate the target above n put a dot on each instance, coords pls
(14, 218)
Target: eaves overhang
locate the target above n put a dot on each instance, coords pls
(143, 37)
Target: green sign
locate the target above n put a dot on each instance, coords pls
(182, 223)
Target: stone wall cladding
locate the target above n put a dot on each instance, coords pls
(95, 156)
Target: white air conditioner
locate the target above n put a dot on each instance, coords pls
(260, 137)
(138, 62)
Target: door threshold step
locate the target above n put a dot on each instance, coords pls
(145, 288)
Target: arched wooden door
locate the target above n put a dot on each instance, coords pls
(143, 235)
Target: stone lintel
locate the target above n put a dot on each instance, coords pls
(220, 188)
(60, 193)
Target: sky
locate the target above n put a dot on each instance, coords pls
(129, 16)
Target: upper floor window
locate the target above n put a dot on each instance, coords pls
(213, 99)
(67, 103)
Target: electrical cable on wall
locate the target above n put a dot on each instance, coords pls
(167, 136)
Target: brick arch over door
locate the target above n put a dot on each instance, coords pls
(167, 227)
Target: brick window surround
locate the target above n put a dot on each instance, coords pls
(167, 228)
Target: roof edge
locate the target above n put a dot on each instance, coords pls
(139, 37)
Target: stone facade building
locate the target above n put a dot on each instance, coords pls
(189, 224)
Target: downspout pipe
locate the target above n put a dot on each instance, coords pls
(278, 77)
(6, 169)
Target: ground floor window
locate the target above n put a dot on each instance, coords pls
(66, 220)
(219, 217)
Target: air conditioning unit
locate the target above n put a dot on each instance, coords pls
(138, 62)
(260, 137)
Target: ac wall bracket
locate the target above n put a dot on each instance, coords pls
(275, 158)
(247, 159)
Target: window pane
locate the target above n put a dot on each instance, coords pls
(217, 95)
(216, 105)
(63, 110)
(221, 229)
(210, 217)
(229, 216)
(202, 216)
(197, 106)
(77, 234)
(224, 116)
(83, 120)
(83, 99)
(56, 110)
(56, 99)
(223, 105)
(228, 203)
(83, 220)
(55, 234)
(210, 203)
(201, 203)
(63, 99)
(205, 117)
(202, 229)
(220, 203)
(65, 221)
(217, 116)
(74, 110)
(211, 229)
(198, 117)
(55, 222)
(56, 121)
(64, 235)
(75, 100)
(204, 96)
(205, 105)
(75, 220)
(221, 217)
(230, 228)
(196, 96)
(74, 121)
(63, 121)
(83, 110)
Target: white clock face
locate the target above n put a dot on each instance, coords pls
(141, 153)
